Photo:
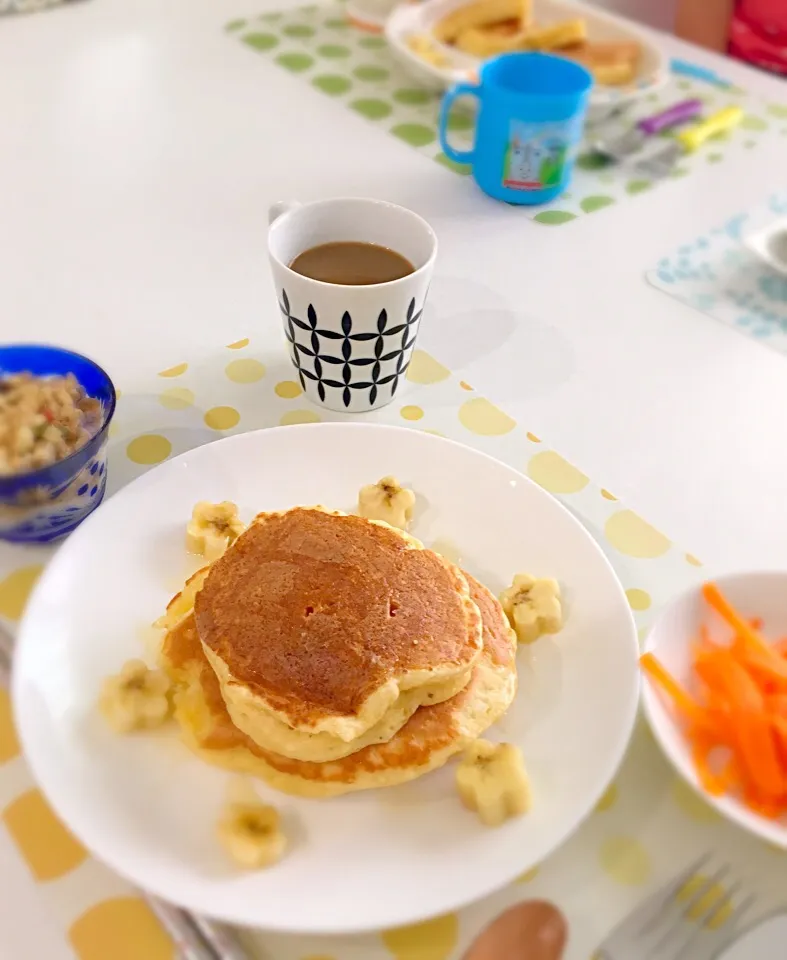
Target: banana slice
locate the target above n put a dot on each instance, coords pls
(532, 607)
(423, 46)
(251, 834)
(481, 13)
(137, 698)
(212, 528)
(555, 36)
(387, 500)
(491, 780)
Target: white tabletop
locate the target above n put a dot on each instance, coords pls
(139, 151)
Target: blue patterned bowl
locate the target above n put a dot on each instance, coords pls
(46, 504)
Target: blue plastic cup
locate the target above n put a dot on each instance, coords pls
(530, 120)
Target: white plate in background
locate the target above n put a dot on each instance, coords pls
(415, 19)
(370, 860)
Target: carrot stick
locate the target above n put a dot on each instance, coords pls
(711, 781)
(739, 710)
(777, 704)
(722, 606)
(759, 755)
(730, 775)
(744, 630)
(685, 703)
(770, 667)
(722, 671)
(770, 808)
(779, 725)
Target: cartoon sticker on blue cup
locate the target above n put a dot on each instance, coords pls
(537, 154)
(530, 121)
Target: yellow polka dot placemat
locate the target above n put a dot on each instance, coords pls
(646, 827)
(337, 59)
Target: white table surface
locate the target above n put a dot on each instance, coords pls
(139, 151)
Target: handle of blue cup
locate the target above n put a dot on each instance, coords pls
(458, 90)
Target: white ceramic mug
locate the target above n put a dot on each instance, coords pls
(351, 345)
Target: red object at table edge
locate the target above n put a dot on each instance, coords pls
(758, 34)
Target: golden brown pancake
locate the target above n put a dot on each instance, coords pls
(281, 738)
(321, 620)
(431, 736)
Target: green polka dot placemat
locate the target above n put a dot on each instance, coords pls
(319, 45)
(647, 826)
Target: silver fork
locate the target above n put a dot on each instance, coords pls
(669, 927)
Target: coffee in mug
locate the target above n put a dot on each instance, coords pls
(351, 279)
(352, 262)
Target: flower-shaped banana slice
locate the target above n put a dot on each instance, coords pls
(532, 607)
(137, 698)
(251, 833)
(387, 500)
(212, 528)
(491, 780)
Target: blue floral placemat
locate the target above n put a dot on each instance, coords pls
(719, 275)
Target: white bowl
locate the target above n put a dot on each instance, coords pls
(758, 594)
(414, 19)
(770, 245)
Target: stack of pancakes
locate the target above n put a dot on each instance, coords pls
(326, 653)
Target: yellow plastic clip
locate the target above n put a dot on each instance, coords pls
(697, 134)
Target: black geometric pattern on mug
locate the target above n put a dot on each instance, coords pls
(310, 345)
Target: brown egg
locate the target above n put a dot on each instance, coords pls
(532, 930)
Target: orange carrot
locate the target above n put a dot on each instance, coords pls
(769, 667)
(769, 807)
(705, 642)
(723, 672)
(746, 634)
(730, 775)
(712, 782)
(735, 718)
(757, 748)
(722, 606)
(779, 727)
(682, 699)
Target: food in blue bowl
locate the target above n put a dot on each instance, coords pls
(55, 411)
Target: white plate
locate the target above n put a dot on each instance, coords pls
(369, 14)
(416, 19)
(757, 594)
(371, 860)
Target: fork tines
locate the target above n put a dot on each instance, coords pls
(666, 926)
